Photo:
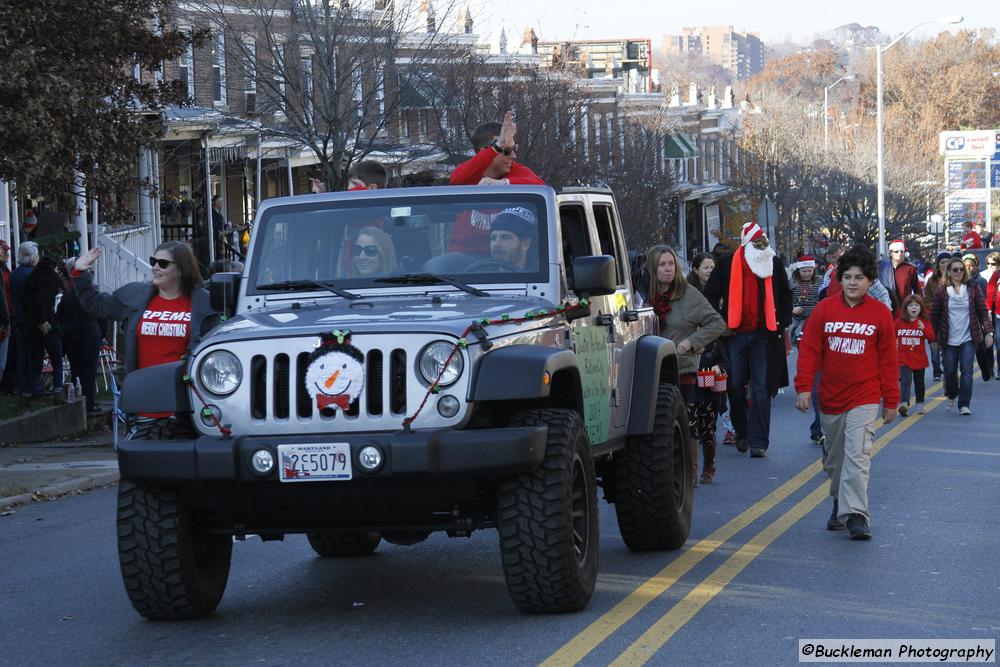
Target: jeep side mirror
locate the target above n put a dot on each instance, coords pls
(595, 275)
(222, 291)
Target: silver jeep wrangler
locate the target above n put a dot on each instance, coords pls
(398, 362)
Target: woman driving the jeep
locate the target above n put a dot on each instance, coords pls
(372, 253)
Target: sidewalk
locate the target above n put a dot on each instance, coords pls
(42, 471)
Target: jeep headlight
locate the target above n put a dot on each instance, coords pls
(432, 360)
(221, 372)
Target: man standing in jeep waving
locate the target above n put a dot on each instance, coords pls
(495, 163)
(750, 288)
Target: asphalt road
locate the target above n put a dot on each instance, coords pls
(759, 572)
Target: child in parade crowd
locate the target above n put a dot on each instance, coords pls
(912, 330)
(805, 291)
(851, 339)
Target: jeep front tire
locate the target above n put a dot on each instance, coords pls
(171, 569)
(548, 521)
(653, 479)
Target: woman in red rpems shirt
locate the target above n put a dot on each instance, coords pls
(164, 318)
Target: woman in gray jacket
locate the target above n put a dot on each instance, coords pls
(686, 318)
(164, 318)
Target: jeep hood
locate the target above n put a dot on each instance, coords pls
(447, 314)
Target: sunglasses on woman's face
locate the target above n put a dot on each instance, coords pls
(160, 262)
(368, 250)
(957, 269)
(991, 263)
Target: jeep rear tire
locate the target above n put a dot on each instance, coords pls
(171, 570)
(548, 520)
(653, 479)
(344, 544)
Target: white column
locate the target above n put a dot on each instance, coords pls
(208, 200)
(142, 214)
(154, 163)
(15, 223)
(80, 213)
(4, 212)
(260, 150)
(288, 162)
(682, 227)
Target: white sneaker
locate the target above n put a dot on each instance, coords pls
(964, 410)
(949, 405)
(920, 409)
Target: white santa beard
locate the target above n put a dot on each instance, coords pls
(760, 261)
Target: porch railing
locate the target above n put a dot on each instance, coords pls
(124, 259)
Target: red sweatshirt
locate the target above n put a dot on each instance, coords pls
(471, 234)
(855, 349)
(910, 336)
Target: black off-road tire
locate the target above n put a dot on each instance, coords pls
(548, 520)
(653, 479)
(344, 544)
(171, 571)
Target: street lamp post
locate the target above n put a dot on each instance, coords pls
(826, 109)
(879, 50)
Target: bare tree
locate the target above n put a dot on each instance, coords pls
(326, 71)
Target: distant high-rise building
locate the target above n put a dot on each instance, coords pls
(627, 59)
(741, 53)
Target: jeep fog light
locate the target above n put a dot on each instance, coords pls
(370, 458)
(210, 415)
(221, 372)
(262, 461)
(448, 406)
(432, 362)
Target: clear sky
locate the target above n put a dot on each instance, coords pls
(776, 20)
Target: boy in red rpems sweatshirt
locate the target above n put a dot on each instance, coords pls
(850, 339)
(495, 163)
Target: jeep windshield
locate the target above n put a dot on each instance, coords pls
(364, 241)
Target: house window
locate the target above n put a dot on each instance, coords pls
(357, 93)
(250, 59)
(185, 66)
(585, 131)
(307, 88)
(219, 68)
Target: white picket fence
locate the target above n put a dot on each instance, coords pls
(125, 256)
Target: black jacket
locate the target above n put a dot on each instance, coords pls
(717, 293)
(40, 291)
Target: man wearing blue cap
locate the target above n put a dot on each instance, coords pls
(511, 234)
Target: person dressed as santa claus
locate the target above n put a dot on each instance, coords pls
(898, 276)
(750, 289)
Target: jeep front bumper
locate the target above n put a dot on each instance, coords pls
(487, 453)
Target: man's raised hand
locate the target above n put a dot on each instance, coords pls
(507, 130)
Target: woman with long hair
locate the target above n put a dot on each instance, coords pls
(372, 253)
(961, 322)
(693, 325)
(701, 268)
(164, 318)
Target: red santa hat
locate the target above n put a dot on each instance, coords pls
(897, 245)
(751, 232)
(804, 262)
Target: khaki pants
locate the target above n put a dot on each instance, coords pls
(847, 456)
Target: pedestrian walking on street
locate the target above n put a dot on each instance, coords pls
(805, 296)
(751, 288)
(913, 329)
(701, 269)
(961, 322)
(984, 353)
(164, 318)
(935, 280)
(43, 333)
(898, 276)
(688, 319)
(851, 340)
(81, 341)
(993, 302)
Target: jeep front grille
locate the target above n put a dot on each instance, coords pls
(278, 371)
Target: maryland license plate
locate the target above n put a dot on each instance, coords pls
(315, 463)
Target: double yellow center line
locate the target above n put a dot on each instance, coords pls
(646, 646)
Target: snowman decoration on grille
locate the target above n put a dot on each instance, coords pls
(335, 376)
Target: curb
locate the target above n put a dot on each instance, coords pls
(53, 491)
